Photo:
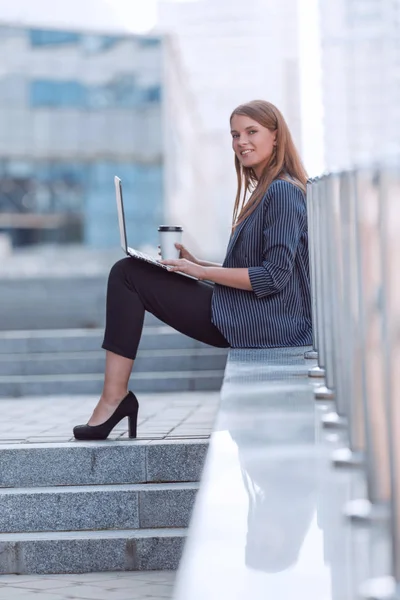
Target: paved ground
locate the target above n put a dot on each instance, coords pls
(161, 416)
(153, 585)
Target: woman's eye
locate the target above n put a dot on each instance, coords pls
(235, 135)
(253, 131)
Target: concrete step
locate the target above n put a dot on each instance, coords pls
(154, 337)
(54, 302)
(150, 382)
(91, 551)
(94, 362)
(85, 508)
(101, 463)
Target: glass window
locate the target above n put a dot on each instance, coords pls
(58, 94)
(100, 97)
(145, 42)
(152, 94)
(94, 44)
(43, 37)
(125, 92)
(120, 93)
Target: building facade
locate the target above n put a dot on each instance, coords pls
(77, 108)
(361, 80)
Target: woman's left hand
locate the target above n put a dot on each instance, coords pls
(185, 266)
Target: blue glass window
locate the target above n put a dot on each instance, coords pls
(120, 93)
(94, 44)
(149, 41)
(109, 41)
(152, 94)
(44, 37)
(58, 94)
(125, 92)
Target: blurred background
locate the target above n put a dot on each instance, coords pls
(90, 89)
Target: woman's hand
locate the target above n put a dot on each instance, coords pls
(185, 266)
(184, 253)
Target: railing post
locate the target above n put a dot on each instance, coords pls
(312, 259)
(340, 346)
(352, 454)
(319, 370)
(368, 207)
(327, 391)
(388, 587)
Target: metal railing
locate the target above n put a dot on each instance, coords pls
(354, 246)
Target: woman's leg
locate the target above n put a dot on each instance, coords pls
(115, 388)
(134, 287)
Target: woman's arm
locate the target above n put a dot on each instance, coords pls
(206, 263)
(236, 278)
(285, 221)
(184, 253)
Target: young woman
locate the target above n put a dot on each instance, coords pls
(258, 298)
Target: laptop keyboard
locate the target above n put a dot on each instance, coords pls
(145, 257)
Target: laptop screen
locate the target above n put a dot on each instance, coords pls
(121, 214)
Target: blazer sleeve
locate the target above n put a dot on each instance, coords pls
(284, 222)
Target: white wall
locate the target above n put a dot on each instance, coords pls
(186, 167)
(231, 52)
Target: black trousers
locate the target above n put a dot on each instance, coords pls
(135, 286)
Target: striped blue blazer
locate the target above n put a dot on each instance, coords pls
(273, 244)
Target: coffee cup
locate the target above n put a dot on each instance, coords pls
(169, 236)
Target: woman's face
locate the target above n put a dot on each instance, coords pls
(252, 143)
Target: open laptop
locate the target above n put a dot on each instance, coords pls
(122, 232)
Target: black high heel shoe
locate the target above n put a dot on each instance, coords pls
(128, 407)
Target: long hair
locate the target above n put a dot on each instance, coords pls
(284, 163)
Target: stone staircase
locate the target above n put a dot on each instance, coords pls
(102, 506)
(111, 506)
(51, 329)
(71, 361)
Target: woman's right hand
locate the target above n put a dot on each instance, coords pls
(183, 253)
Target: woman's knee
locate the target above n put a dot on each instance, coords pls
(119, 269)
(127, 270)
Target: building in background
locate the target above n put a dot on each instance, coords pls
(79, 107)
(361, 80)
(230, 52)
(76, 108)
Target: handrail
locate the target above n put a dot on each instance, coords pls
(354, 250)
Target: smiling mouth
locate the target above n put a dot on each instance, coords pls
(245, 152)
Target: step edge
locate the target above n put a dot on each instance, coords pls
(100, 488)
(99, 354)
(58, 536)
(201, 373)
(82, 332)
(81, 446)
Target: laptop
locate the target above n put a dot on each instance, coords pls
(122, 232)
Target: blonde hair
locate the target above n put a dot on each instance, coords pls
(285, 162)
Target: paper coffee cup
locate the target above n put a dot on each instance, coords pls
(169, 236)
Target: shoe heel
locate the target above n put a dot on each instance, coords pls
(132, 423)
